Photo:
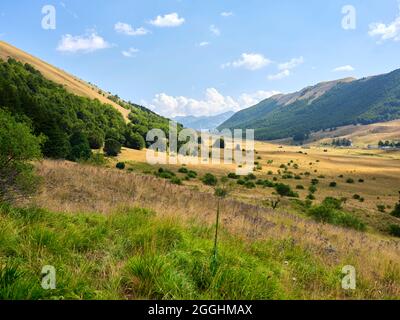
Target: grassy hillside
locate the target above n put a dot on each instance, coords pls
(363, 101)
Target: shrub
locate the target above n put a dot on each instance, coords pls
(250, 185)
(209, 179)
(134, 141)
(80, 148)
(333, 184)
(332, 203)
(329, 214)
(314, 182)
(300, 187)
(396, 211)
(183, 170)
(350, 180)
(176, 180)
(312, 189)
(356, 197)
(251, 176)
(241, 182)
(120, 165)
(233, 176)
(192, 174)
(381, 207)
(310, 197)
(112, 147)
(285, 190)
(361, 181)
(394, 230)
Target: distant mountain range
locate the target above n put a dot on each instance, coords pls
(204, 123)
(323, 106)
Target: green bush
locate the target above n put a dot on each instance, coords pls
(134, 141)
(394, 230)
(396, 211)
(209, 179)
(250, 185)
(329, 212)
(120, 165)
(112, 148)
(176, 180)
(350, 180)
(96, 140)
(333, 184)
(183, 170)
(192, 174)
(233, 176)
(285, 190)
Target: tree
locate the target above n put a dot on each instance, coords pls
(18, 146)
(134, 141)
(96, 140)
(112, 147)
(209, 179)
(80, 147)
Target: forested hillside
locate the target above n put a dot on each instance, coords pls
(364, 101)
(66, 119)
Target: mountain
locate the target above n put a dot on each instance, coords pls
(323, 106)
(204, 123)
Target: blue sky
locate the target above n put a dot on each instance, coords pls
(204, 57)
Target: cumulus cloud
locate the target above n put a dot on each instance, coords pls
(249, 61)
(226, 14)
(128, 30)
(280, 75)
(85, 43)
(215, 31)
(130, 53)
(293, 63)
(213, 103)
(346, 68)
(168, 20)
(385, 32)
(204, 44)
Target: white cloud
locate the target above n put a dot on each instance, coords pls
(213, 103)
(226, 14)
(130, 53)
(280, 75)
(293, 63)
(168, 20)
(385, 32)
(346, 68)
(85, 43)
(250, 61)
(204, 44)
(214, 30)
(128, 30)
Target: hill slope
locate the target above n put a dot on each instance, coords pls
(71, 83)
(324, 106)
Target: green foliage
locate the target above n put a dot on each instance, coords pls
(209, 179)
(396, 211)
(53, 111)
(120, 165)
(233, 176)
(80, 148)
(350, 180)
(394, 230)
(134, 141)
(176, 180)
(285, 190)
(333, 184)
(96, 140)
(330, 211)
(112, 147)
(18, 146)
(361, 101)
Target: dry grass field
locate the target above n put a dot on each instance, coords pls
(376, 175)
(73, 188)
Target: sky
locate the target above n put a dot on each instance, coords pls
(205, 57)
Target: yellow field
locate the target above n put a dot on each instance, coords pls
(380, 171)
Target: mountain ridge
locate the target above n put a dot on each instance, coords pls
(323, 106)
